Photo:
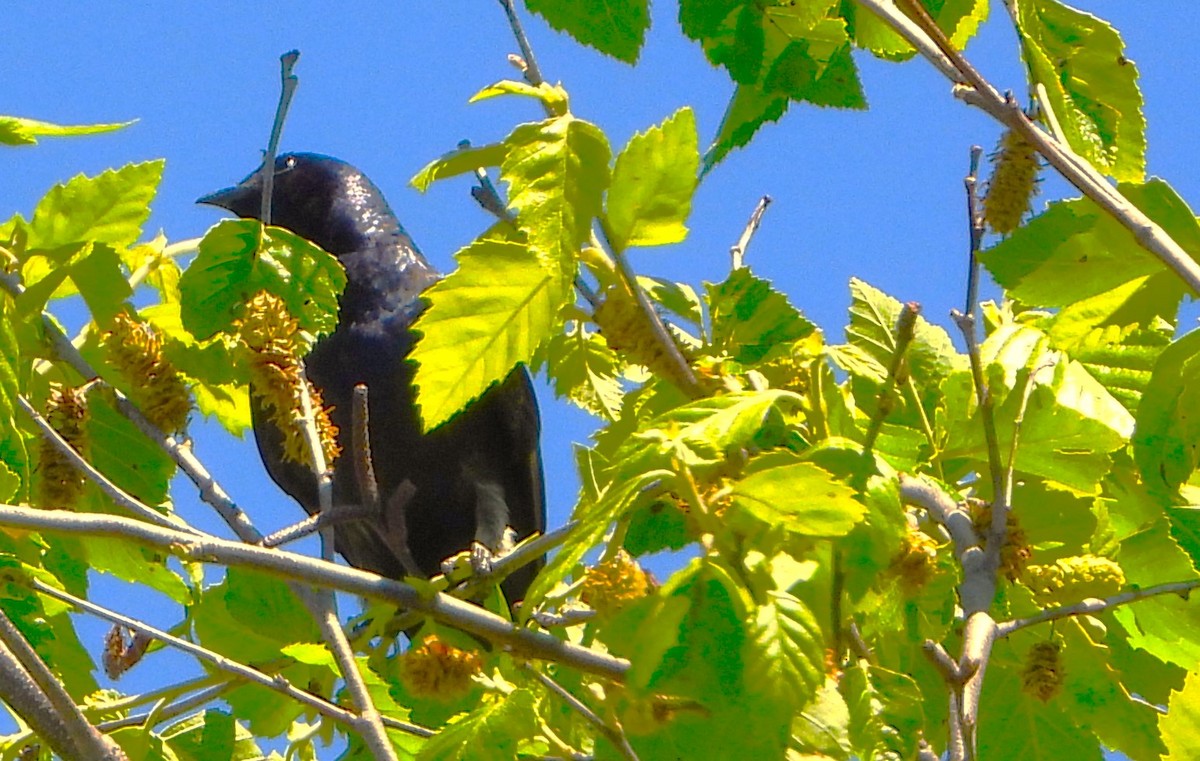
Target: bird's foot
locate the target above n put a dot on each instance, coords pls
(483, 560)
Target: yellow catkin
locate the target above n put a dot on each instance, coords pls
(1043, 674)
(612, 585)
(625, 329)
(1012, 185)
(1015, 554)
(156, 386)
(270, 335)
(60, 484)
(438, 670)
(916, 562)
(1075, 578)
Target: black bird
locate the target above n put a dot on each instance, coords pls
(475, 475)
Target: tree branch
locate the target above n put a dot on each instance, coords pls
(275, 682)
(291, 567)
(1094, 605)
(931, 43)
(32, 690)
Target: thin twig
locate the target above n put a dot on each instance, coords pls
(288, 82)
(983, 398)
(69, 731)
(680, 371)
(275, 682)
(118, 495)
(737, 252)
(292, 567)
(1093, 605)
(533, 74)
(614, 735)
(975, 224)
(360, 448)
(943, 661)
(316, 522)
(170, 710)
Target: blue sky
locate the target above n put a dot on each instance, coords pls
(875, 194)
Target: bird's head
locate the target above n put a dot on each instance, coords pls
(317, 197)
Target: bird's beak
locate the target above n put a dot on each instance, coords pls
(228, 198)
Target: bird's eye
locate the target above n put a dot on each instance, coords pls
(290, 163)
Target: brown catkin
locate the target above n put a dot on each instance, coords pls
(1010, 190)
(156, 387)
(61, 484)
(270, 335)
(1016, 552)
(1043, 674)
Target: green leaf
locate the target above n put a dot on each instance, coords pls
(1015, 725)
(799, 498)
(886, 719)
(959, 19)
(1096, 698)
(776, 54)
(822, 730)
(251, 616)
(487, 316)
(557, 171)
(749, 317)
(1163, 625)
(1122, 359)
(614, 27)
(652, 184)
(13, 453)
(123, 453)
(1168, 430)
(138, 565)
(749, 108)
(1069, 423)
(701, 652)
(1092, 86)
(872, 328)
(1180, 726)
(456, 162)
(492, 732)
(1075, 253)
(17, 130)
(211, 734)
(694, 642)
(238, 258)
(218, 381)
(699, 434)
(785, 651)
(584, 370)
(109, 208)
